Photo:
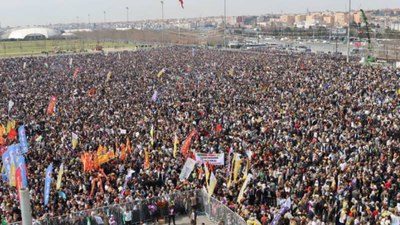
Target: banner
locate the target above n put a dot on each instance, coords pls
(109, 76)
(236, 169)
(213, 159)
(187, 169)
(52, 105)
(18, 180)
(23, 139)
(59, 176)
(152, 136)
(154, 96)
(76, 72)
(161, 73)
(246, 182)
(24, 172)
(10, 105)
(47, 184)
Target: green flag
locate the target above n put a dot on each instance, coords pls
(88, 221)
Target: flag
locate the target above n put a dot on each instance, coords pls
(46, 65)
(181, 1)
(3, 221)
(59, 176)
(207, 172)
(176, 142)
(213, 183)
(70, 62)
(20, 162)
(76, 72)
(47, 184)
(236, 168)
(52, 105)
(18, 180)
(186, 144)
(110, 153)
(231, 71)
(109, 76)
(161, 73)
(284, 208)
(228, 164)
(152, 135)
(10, 105)
(23, 139)
(127, 179)
(146, 160)
(12, 134)
(154, 96)
(100, 150)
(245, 183)
(87, 161)
(128, 146)
(218, 129)
(123, 152)
(24, 66)
(74, 140)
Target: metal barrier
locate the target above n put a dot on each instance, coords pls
(143, 211)
(217, 212)
(150, 211)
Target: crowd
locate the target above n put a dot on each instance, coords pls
(318, 131)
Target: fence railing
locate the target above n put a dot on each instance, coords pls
(217, 212)
(150, 211)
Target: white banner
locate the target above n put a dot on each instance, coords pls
(213, 159)
(187, 169)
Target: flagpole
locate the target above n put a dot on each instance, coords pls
(224, 23)
(26, 212)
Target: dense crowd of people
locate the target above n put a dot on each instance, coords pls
(321, 132)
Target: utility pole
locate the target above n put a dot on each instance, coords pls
(348, 34)
(224, 23)
(127, 15)
(162, 18)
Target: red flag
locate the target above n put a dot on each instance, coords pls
(76, 72)
(2, 150)
(181, 1)
(18, 180)
(186, 144)
(218, 129)
(12, 135)
(52, 104)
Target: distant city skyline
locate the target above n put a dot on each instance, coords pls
(43, 12)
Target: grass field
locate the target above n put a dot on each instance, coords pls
(20, 48)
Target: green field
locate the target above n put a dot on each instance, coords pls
(20, 48)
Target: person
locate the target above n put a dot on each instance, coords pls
(193, 217)
(127, 215)
(171, 214)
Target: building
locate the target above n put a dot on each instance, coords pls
(341, 19)
(287, 19)
(31, 33)
(329, 20)
(314, 17)
(357, 17)
(299, 18)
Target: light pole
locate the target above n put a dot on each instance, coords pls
(88, 19)
(348, 34)
(224, 23)
(104, 13)
(162, 18)
(127, 15)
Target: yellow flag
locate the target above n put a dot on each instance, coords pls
(12, 174)
(213, 183)
(74, 140)
(13, 124)
(175, 145)
(59, 176)
(100, 150)
(231, 71)
(207, 174)
(109, 76)
(241, 193)
(238, 161)
(8, 127)
(161, 73)
(398, 92)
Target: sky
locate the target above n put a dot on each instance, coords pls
(43, 12)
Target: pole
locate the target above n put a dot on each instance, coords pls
(348, 34)
(224, 23)
(162, 21)
(104, 12)
(25, 207)
(127, 15)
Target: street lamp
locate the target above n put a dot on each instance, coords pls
(348, 34)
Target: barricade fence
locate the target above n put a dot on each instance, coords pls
(150, 211)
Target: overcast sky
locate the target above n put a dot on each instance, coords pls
(37, 12)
